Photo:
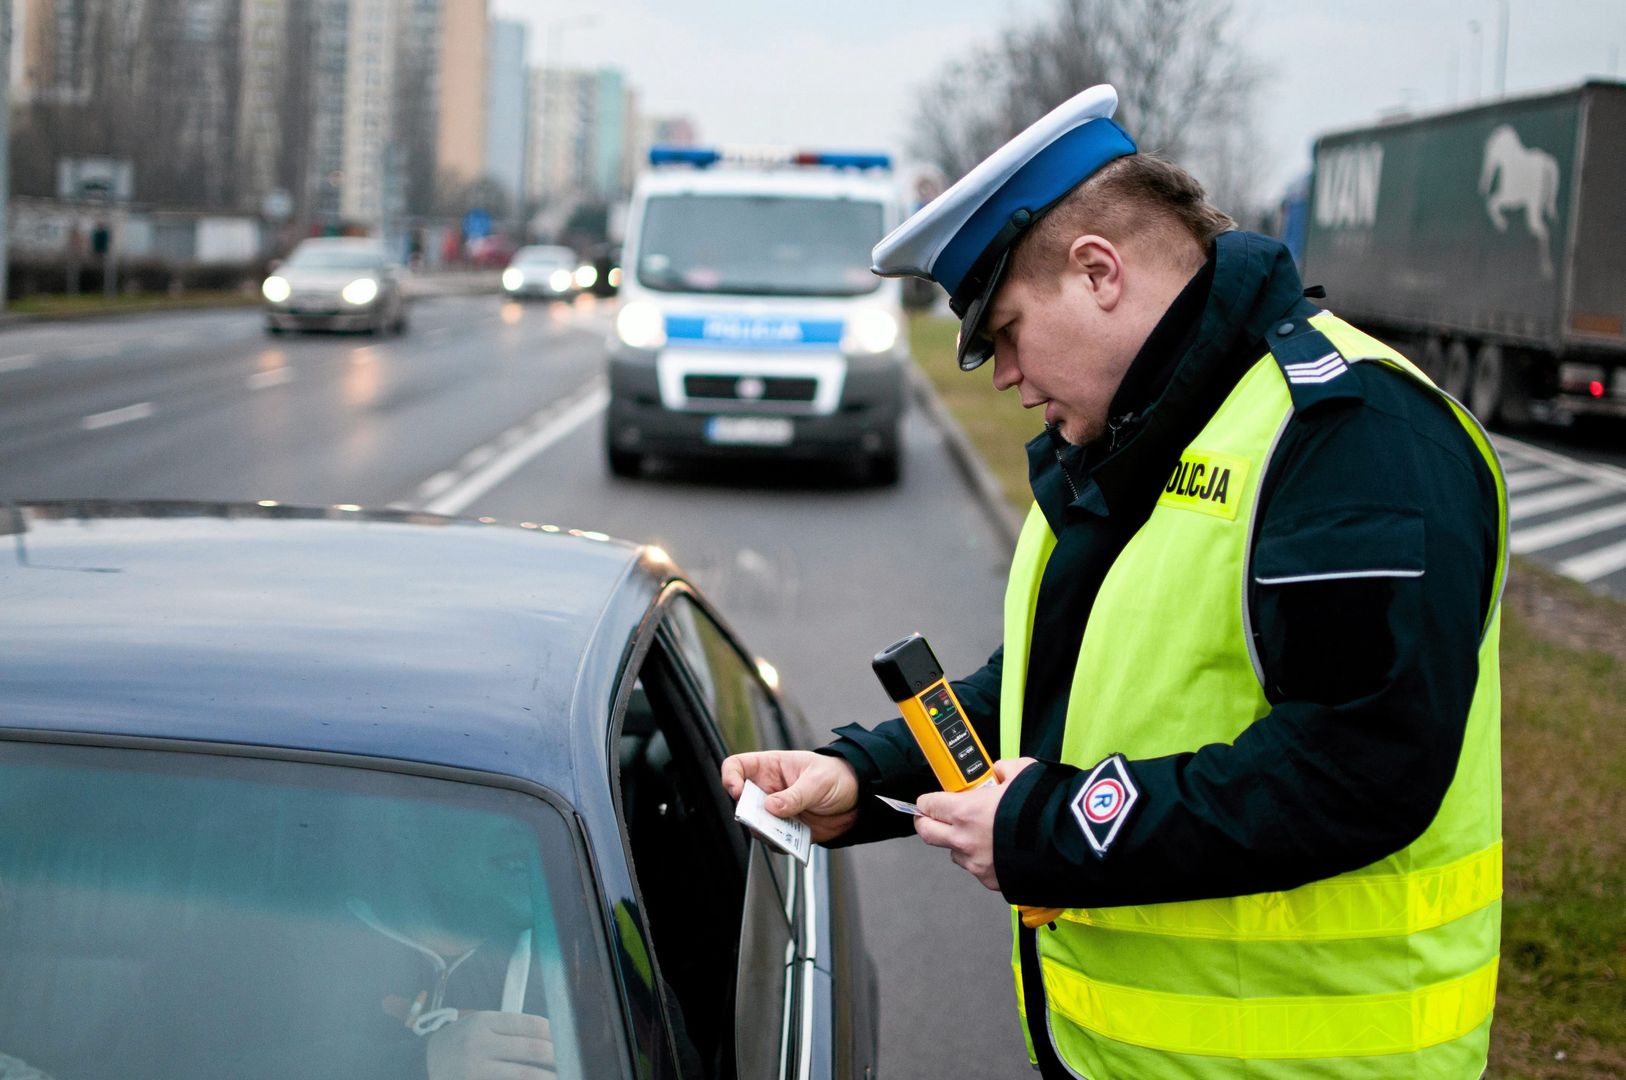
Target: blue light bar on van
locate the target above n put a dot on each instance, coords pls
(697, 156)
(701, 157)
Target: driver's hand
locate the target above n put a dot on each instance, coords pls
(492, 1046)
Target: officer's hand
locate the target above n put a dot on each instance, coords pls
(963, 821)
(819, 789)
(492, 1046)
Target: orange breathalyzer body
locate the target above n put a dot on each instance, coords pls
(914, 680)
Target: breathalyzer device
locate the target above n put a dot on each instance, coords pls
(913, 679)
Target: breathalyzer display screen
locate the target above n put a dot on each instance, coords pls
(939, 706)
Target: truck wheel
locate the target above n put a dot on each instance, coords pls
(1489, 381)
(1458, 374)
(1432, 360)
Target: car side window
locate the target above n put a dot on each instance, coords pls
(745, 714)
(717, 903)
(688, 855)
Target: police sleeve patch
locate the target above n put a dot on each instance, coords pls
(1104, 802)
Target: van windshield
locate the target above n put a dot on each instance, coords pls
(759, 245)
(193, 916)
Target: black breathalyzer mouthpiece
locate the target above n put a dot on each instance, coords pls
(906, 667)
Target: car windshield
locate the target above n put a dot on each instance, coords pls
(333, 258)
(752, 244)
(179, 916)
(548, 257)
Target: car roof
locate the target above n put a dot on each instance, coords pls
(444, 641)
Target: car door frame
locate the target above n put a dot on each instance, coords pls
(806, 903)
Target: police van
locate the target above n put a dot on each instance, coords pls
(750, 324)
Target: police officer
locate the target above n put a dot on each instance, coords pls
(1247, 701)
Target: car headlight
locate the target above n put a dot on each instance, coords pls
(586, 276)
(870, 330)
(276, 289)
(559, 280)
(641, 325)
(513, 278)
(613, 278)
(360, 291)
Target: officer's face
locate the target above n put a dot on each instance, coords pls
(1063, 343)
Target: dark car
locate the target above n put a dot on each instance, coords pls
(297, 792)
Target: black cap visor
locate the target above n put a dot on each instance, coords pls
(976, 344)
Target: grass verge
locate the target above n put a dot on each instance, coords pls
(65, 306)
(1561, 998)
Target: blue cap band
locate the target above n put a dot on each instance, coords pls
(1046, 177)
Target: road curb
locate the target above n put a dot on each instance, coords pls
(1006, 520)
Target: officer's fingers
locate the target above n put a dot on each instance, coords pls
(1005, 769)
(762, 768)
(935, 832)
(938, 805)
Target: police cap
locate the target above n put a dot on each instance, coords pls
(963, 238)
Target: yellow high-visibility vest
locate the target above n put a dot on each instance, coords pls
(1386, 971)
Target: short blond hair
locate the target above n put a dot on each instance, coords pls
(1138, 196)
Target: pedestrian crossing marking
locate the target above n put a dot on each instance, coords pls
(1578, 503)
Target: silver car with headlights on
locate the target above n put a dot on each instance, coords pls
(335, 283)
(542, 271)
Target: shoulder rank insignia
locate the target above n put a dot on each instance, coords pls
(1315, 371)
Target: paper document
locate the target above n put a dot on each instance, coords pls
(788, 835)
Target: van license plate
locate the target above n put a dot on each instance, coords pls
(749, 430)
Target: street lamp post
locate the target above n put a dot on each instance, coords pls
(1475, 53)
(1501, 50)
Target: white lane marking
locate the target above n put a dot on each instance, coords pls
(1595, 564)
(139, 411)
(1529, 478)
(438, 483)
(1612, 475)
(1564, 530)
(17, 363)
(476, 458)
(1555, 499)
(551, 425)
(274, 377)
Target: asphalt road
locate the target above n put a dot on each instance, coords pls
(493, 409)
(490, 409)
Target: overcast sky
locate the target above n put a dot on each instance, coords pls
(844, 73)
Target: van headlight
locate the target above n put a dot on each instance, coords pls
(360, 291)
(640, 325)
(513, 278)
(559, 281)
(870, 330)
(276, 289)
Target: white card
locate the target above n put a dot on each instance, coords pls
(787, 834)
(902, 807)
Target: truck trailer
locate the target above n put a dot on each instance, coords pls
(1490, 241)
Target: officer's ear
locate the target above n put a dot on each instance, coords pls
(1098, 268)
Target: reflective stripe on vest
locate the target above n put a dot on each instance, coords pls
(1291, 1027)
(1337, 909)
(1396, 957)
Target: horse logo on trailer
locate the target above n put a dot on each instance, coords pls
(1516, 176)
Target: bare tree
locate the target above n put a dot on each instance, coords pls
(1186, 86)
